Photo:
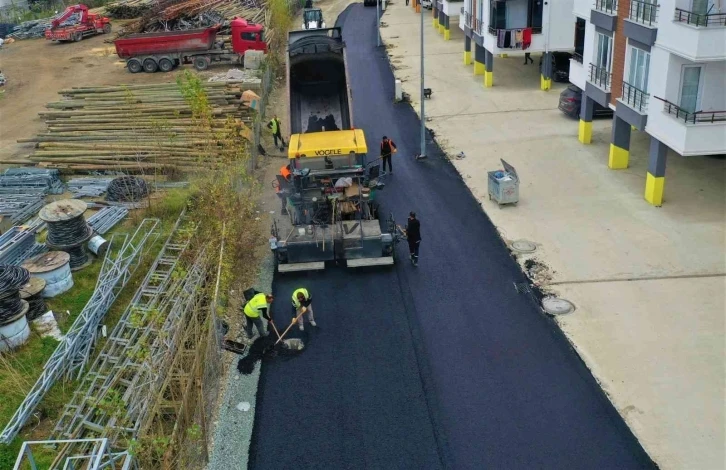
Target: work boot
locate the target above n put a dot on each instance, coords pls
(302, 327)
(313, 323)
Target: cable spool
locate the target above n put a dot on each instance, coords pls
(16, 331)
(127, 189)
(12, 278)
(98, 245)
(68, 230)
(54, 268)
(32, 293)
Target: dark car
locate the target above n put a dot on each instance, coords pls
(560, 66)
(571, 100)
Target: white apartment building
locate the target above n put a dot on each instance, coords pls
(662, 68)
(501, 27)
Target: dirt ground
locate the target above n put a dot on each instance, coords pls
(37, 69)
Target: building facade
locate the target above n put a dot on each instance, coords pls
(497, 27)
(661, 66)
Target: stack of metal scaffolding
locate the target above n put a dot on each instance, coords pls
(48, 180)
(104, 220)
(88, 187)
(89, 454)
(122, 259)
(20, 206)
(132, 361)
(17, 245)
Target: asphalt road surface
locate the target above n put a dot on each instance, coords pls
(441, 366)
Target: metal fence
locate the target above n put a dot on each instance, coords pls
(259, 124)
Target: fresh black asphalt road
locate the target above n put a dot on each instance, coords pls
(441, 366)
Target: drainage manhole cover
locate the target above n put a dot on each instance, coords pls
(524, 246)
(557, 306)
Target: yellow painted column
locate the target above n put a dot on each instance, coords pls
(618, 158)
(467, 57)
(479, 68)
(447, 34)
(654, 186)
(584, 133)
(488, 79)
(619, 145)
(545, 83)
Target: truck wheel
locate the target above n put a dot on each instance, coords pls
(166, 65)
(107, 28)
(134, 66)
(150, 66)
(77, 37)
(201, 63)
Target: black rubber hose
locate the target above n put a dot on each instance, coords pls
(12, 278)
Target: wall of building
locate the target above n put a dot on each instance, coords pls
(705, 43)
(582, 8)
(579, 72)
(561, 26)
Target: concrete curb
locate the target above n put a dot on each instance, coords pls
(233, 427)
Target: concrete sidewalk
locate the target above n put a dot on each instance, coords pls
(648, 283)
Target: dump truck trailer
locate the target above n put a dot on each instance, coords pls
(330, 194)
(165, 50)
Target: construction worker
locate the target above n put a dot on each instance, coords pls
(276, 128)
(282, 190)
(302, 298)
(413, 235)
(259, 305)
(388, 147)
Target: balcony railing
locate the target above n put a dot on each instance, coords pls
(643, 12)
(577, 57)
(607, 6)
(635, 98)
(600, 76)
(467, 20)
(476, 25)
(699, 19)
(698, 117)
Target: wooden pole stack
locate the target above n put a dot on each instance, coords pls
(141, 127)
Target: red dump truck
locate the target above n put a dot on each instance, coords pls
(165, 50)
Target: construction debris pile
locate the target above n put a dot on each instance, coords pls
(140, 127)
(168, 15)
(233, 75)
(36, 28)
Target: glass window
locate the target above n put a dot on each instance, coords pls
(690, 87)
(249, 36)
(639, 66)
(604, 53)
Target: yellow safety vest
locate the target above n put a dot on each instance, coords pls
(304, 292)
(275, 126)
(252, 309)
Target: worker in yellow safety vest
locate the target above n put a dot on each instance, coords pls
(302, 298)
(276, 128)
(258, 306)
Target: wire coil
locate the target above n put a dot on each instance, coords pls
(12, 278)
(79, 256)
(68, 233)
(127, 189)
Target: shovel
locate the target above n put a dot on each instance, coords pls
(279, 337)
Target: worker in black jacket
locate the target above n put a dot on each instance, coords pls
(413, 235)
(387, 148)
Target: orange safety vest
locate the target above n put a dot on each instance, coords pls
(285, 172)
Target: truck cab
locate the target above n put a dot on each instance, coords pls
(247, 36)
(313, 19)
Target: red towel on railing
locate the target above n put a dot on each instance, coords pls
(526, 38)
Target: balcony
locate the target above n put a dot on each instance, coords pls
(604, 14)
(688, 133)
(609, 7)
(577, 57)
(600, 77)
(635, 98)
(644, 13)
(700, 20)
(698, 117)
(694, 36)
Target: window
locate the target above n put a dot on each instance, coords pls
(580, 37)
(690, 88)
(249, 36)
(639, 67)
(604, 52)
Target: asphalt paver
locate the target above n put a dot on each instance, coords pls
(444, 365)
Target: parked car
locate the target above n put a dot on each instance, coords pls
(560, 66)
(571, 100)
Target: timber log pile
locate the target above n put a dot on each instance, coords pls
(136, 128)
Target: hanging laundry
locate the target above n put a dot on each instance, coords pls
(526, 38)
(518, 38)
(500, 37)
(507, 39)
